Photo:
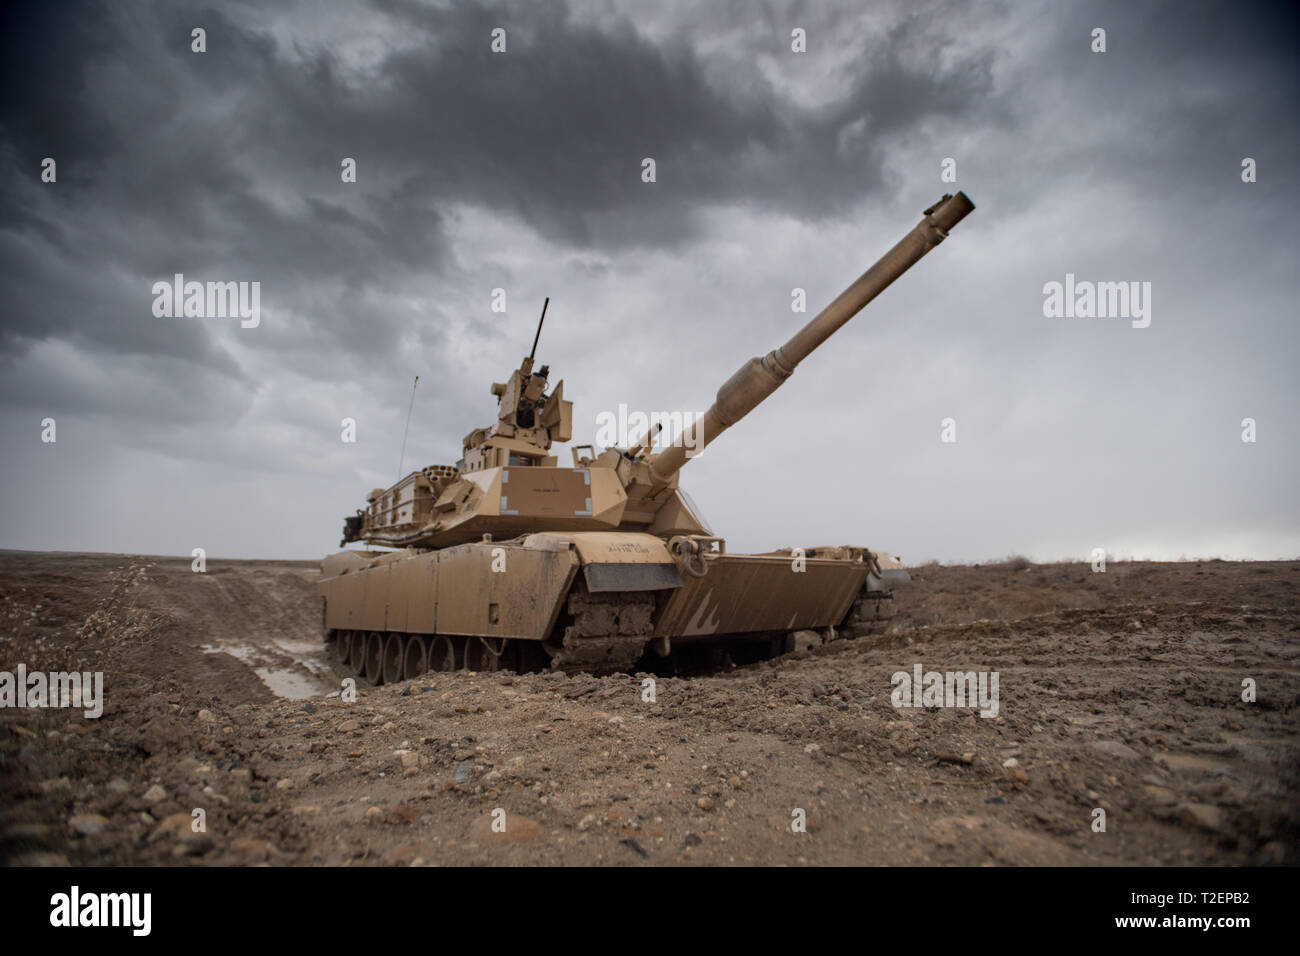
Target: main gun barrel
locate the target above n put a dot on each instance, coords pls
(759, 378)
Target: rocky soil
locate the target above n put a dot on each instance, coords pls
(1119, 692)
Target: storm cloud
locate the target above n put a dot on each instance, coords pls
(521, 170)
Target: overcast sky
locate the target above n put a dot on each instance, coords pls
(522, 170)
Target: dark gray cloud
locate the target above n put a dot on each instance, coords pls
(226, 164)
(775, 170)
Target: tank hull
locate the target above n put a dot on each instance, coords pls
(594, 601)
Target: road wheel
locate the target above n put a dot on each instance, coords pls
(375, 658)
(393, 657)
(357, 653)
(442, 654)
(416, 660)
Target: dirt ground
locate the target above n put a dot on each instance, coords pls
(1119, 691)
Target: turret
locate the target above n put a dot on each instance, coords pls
(508, 483)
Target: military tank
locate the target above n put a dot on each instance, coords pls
(509, 559)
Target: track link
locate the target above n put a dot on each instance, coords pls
(870, 614)
(609, 632)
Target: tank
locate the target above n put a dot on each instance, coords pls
(510, 559)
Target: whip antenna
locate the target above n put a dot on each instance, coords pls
(402, 458)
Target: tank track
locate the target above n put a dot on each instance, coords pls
(608, 634)
(604, 633)
(869, 614)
